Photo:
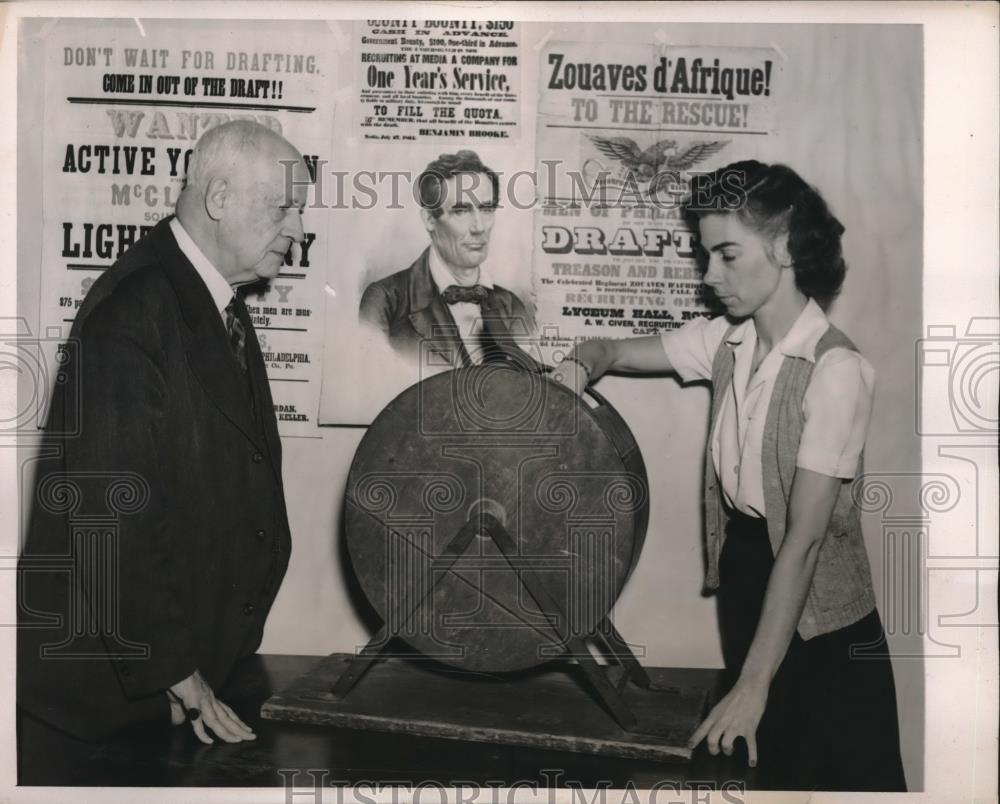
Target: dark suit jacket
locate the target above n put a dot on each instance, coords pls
(407, 307)
(173, 482)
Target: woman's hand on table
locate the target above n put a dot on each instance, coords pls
(737, 715)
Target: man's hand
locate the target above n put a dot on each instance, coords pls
(736, 715)
(198, 704)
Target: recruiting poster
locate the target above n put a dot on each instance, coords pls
(437, 79)
(620, 131)
(124, 104)
(426, 95)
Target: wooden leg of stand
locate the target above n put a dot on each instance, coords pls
(363, 661)
(617, 648)
(360, 664)
(610, 697)
(594, 674)
(632, 670)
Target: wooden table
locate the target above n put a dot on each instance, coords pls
(173, 757)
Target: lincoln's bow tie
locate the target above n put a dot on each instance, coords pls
(453, 294)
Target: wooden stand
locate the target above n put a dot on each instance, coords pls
(548, 707)
(654, 718)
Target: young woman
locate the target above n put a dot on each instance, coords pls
(812, 689)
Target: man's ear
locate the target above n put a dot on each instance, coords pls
(781, 253)
(216, 196)
(430, 222)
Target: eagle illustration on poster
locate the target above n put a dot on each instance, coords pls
(661, 164)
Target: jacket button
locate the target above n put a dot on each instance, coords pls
(248, 609)
(257, 457)
(261, 534)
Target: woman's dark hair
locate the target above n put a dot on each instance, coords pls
(430, 181)
(774, 199)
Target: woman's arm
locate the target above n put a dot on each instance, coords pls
(640, 355)
(811, 504)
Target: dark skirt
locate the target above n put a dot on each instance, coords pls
(830, 721)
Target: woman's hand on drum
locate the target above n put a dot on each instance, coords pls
(589, 360)
(736, 715)
(573, 372)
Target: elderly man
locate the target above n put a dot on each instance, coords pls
(172, 400)
(446, 298)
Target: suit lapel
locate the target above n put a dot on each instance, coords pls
(206, 345)
(430, 316)
(497, 316)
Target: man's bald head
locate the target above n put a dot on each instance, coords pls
(230, 149)
(243, 198)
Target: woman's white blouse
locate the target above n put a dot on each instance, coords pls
(837, 404)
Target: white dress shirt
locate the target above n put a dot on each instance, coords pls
(467, 315)
(837, 404)
(221, 290)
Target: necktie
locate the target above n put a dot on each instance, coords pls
(237, 334)
(453, 294)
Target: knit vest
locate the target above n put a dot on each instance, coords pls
(841, 591)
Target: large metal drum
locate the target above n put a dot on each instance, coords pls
(563, 477)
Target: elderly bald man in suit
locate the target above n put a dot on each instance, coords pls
(171, 395)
